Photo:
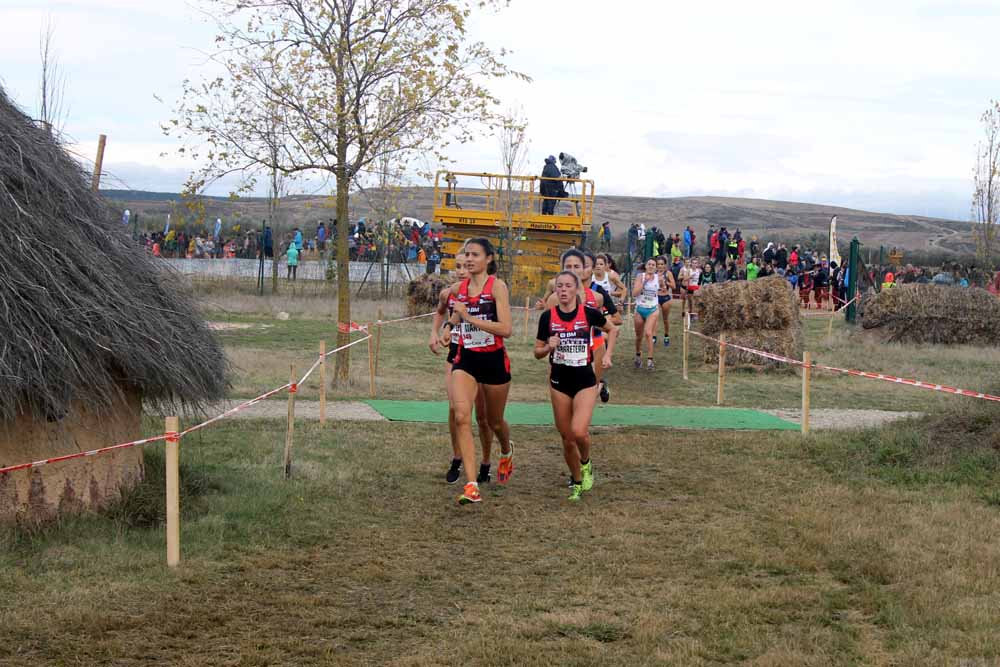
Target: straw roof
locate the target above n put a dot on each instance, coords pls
(85, 314)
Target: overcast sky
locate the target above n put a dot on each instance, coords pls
(871, 105)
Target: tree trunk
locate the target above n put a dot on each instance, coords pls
(343, 268)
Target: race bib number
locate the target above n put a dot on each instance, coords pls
(646, 299)
(571, 352)
(474, 337)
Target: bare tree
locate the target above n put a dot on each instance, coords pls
(986, 195)
(357, 80)
(513, 143)
(52, 111)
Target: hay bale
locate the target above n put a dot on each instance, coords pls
(786, 342)
(423, 292)
(762, 314)
(768, 303)
(936, 314)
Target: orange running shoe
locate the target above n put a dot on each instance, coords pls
(506, 467)
(470, 494)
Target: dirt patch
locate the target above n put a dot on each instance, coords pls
(232, 326)
(278, 409)
(843, 420)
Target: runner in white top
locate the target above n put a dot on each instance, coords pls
(608, 279)
(647, 310)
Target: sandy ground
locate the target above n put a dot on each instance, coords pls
(822, 419)
(842, 420)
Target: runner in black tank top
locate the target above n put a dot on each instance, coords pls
(564, 335)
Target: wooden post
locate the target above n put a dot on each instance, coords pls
(806, 372)
(527, 310)
(322, 382)
(371, 363)
(292, 390)
(98, 163)
(687, 326)
(378, 339)
(173, 493)
(720, 396)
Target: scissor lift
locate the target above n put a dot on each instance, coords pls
(508, 211)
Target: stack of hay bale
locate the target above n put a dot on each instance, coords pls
(936, 314)
(762, 314)
(422, 293)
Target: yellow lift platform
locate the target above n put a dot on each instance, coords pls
(511, 217)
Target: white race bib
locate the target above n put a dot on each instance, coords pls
(474, 337)
(647, 299)
(571, 352)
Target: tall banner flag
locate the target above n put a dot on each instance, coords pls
(834, 253)
(218, 228)
(125, 216)
(166, 227)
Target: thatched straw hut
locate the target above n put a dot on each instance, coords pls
(92, 330)
(936, 314)
(762, 314)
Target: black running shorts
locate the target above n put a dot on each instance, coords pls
(487, 367)
(571, 381)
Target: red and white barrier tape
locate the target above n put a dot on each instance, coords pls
(865, 374)
(166, 436)
(404, 319)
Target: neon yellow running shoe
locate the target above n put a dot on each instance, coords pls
(577, 493)
(587, 471)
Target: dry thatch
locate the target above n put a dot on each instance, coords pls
(767, 303)
(762, 314)
(786, 342)
(934, 314)
(422, 293)
(85, 314)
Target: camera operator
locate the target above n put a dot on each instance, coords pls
(550, 189)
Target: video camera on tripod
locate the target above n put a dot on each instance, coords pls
(571, 168)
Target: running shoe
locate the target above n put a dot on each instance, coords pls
(605, 394)
(666, 341)
(638, 363)
(484, 474)
(587, 470)
(470, 494)
(654, 340)
(649, 365)
(454, 471)
(506, 467)
(576, 494)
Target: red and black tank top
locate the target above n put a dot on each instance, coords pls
(483, 307)
(574, 338)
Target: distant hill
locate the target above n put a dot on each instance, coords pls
(788, 221)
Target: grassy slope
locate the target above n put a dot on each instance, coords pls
(861, 548)
(786, 220)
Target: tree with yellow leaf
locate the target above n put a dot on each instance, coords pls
(350, 83)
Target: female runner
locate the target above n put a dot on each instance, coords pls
(482, 311)
(645, 289)
(444, 311)
(564, 334)
(581, 264)
(608, 278)
(664, 296)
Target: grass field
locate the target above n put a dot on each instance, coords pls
(869, 547)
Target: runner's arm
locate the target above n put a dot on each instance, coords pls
(543, 341)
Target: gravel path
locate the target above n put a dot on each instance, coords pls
(819, 419)
(842, 420)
